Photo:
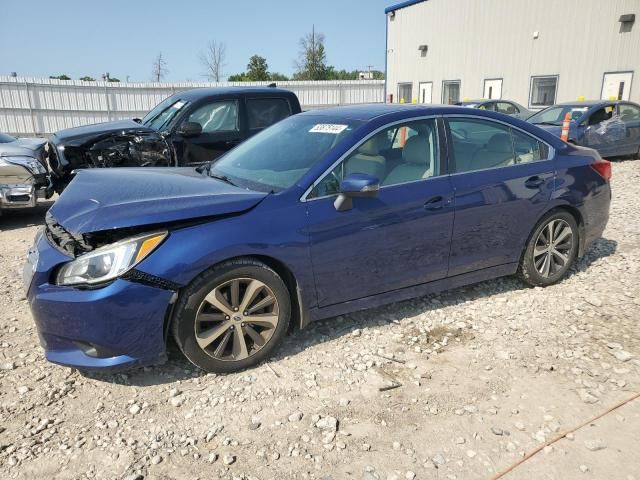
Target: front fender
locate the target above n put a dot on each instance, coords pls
(277, 234)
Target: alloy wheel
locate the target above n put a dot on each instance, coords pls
(552, 250)
(236, 319)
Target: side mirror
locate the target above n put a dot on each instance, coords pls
(189, 129)
(356, 185)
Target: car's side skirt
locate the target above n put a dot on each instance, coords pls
(413, 292)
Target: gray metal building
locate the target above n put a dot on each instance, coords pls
(535, 52)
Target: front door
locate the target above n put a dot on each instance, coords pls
(616, 86)
(493, 88)
(503, 179)
(221, 131)
(398, 239)
(426, 92)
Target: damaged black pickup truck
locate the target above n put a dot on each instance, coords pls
(186, 129)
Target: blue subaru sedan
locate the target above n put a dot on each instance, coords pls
(324, 213)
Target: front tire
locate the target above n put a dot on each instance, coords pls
(232, 317)
(551, 250)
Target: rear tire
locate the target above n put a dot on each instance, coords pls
(232, 317)
(551, 249)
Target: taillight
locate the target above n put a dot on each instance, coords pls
(603, 167)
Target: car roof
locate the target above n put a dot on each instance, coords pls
(199, 93)
(591, 103)
(366, 112)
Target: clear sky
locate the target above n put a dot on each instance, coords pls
(83, 37)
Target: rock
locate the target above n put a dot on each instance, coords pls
(213, 456)
(584, 468)
(497, 431)
(156, 459)
(135, 409)
(397, 446)
(439, 459)
(520, 426)
(134, 476)
(471, 453)
(23, 389)
(410, 475)
(228, 459)
(327, 423)
(622, 355)
(8, 366)
(177, 401)
(459, 440)
(594, 444)
(356, 333)
(295, 417)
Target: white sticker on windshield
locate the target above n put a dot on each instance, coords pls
(579, 109)
(178, 105)
(328, 128)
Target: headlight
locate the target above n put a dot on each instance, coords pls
(109, 262)
(30, 163)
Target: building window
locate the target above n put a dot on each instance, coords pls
(405, 92)
(450, 92)
(543, 91)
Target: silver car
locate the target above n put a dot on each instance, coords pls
(508, 107)
(23, 173)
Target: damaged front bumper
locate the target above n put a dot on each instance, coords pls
(20, 196)
(19, 187)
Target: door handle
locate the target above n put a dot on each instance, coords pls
(435, 203)
(534, 182)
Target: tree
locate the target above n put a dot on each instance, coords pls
(113, 79)
(213, 60)
(60, 77)
(87, 78)
(279, 77)
(312, 64)
(238, 77)
(257, 69)
(159, 68)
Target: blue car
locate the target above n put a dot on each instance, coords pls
(610, 127)
(322, 214)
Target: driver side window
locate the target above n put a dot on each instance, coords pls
(221, 116)
(399, 154)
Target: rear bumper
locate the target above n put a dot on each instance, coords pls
(118, 326)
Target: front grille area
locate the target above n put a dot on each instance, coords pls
(63, 240)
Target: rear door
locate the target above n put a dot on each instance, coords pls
(262, 112)
(630, 116)
(502, 179)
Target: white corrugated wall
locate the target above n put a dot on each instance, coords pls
(32, 106)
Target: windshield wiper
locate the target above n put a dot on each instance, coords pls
(548, 123)
(224, 178)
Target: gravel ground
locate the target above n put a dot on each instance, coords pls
(483, 374)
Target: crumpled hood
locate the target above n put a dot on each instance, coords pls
(77, 136)
(105, 199)
(22, 147)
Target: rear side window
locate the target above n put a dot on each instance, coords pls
(506, 108)
(264, 112)
(481, 145)
(629, 112)
(528, 149)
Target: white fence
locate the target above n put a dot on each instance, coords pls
(38, 107)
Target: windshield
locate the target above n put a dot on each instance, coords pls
(163, 113)
(276, 158)
(555, 115)
(4, 138)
